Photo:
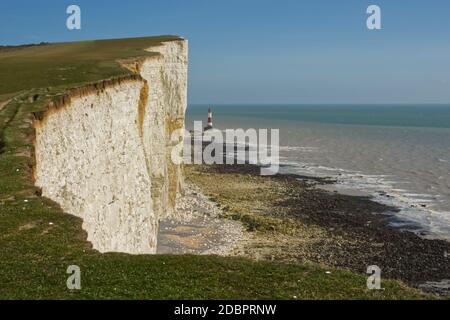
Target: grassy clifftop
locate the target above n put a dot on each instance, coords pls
(38, 241)
(68, 64)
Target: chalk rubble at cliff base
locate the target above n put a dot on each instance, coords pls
(199, 228)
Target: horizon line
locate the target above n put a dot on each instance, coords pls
(319, 103)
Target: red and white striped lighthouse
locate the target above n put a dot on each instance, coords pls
(210, 123)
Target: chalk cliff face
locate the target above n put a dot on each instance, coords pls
(104, 151)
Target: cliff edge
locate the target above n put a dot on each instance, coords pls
(103, 151)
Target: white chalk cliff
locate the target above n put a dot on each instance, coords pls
(104, 151)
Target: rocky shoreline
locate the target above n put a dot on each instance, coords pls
(198, 227)
(288, 218)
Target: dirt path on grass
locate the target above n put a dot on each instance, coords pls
(4, 103)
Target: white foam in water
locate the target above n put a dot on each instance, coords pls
(287, 148)
(405, 167)
(415, 213)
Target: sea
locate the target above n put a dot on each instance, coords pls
(398, 155)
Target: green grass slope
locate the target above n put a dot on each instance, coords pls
(38, 241)
(68, 64)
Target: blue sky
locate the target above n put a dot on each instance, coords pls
(261, 51)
